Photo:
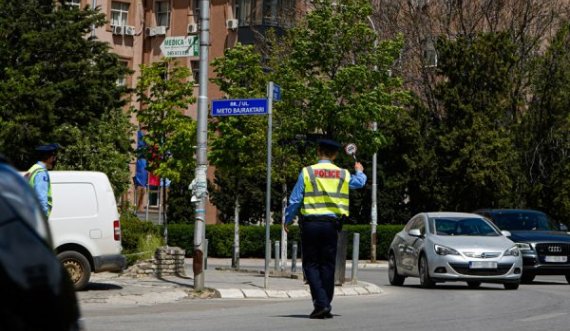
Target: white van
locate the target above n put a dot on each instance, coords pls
(85, 224)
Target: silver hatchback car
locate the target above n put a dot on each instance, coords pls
(449, 246)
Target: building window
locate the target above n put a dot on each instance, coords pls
(162, 12)
(429, 52)
(73, 3)
(270, 12)
(119, 13)
(123, 80)
(195, 65)
(246, 13)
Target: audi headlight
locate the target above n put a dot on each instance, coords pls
(524, 246)
(513, 251)
(443, 250)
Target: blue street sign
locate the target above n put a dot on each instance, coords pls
(239, 107)
(276, 92)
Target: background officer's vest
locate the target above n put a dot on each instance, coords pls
(326, 190)
(31, 175)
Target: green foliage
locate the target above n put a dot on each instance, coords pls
(165, 92)
(132, 228)
(335, 81)
(474, 138)
(252, 238)
(58, 85)
(545, 132)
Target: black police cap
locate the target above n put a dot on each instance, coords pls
(329, 143)
(48, 148)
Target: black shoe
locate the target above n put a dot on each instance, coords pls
(319, 313)
(328, 315)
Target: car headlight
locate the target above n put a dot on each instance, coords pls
(443, 250)
(524, 246)
(513, 251)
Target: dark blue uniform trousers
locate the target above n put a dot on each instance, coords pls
(318, 240)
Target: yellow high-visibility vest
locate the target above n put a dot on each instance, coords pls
(326, 190)
(31, 174)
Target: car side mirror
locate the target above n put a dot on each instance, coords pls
(415, 233)
(506, 233)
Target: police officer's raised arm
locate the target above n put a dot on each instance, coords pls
(358, 180)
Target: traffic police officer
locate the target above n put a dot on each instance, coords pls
(38, 176)
(321, 193)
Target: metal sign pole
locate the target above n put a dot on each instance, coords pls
(268, 188)
(200, 187)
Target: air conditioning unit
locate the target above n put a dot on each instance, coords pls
(129, 30)
(232, 24)
(156, 31)
(117, 29)
(192, 28)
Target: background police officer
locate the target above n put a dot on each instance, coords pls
(321, 192)
(38, 176)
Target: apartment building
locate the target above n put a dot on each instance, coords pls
(135, 29)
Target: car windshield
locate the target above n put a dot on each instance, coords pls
(463, 227)
(523, 221)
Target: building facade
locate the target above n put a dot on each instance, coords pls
(135, 30)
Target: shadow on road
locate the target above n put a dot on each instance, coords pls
(101, 287)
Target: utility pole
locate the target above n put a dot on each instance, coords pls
(268, 186)
(374, 209)
(200, 189)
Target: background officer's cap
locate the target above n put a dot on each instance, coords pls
(48, 148)
(329, 143)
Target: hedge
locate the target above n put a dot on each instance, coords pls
(252, 238)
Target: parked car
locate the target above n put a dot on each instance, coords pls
(447, 246)
(85, 224)
(37, 291)
(545, 247)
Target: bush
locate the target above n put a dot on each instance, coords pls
(252, 238)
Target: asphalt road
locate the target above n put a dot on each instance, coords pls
(543, 305)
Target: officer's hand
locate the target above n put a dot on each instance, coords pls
(286, 227)
(358, 166)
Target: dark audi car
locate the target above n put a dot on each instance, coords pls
(544, 246)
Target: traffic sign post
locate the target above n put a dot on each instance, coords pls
(180, 46)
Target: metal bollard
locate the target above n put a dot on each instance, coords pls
(355, 256)
(206, 254)
(340, 265)
(294, 257)
(277, 253)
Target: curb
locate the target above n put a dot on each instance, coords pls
(363, 288)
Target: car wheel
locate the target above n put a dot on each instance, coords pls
(425, 280)
(511, 286)
(527, 277)
(395, 278)
(474, 284)
(568, 278)
(77, 266)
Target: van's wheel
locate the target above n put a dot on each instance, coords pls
(77, 267)
(393, 276)
(425, 280)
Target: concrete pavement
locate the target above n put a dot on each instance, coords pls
(220, 281)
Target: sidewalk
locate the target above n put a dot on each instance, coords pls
(220, 281)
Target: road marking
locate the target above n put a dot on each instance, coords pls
(542, 317)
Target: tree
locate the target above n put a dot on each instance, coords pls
(58, 85)
(165, 92)
(474, 138)
(544, 134)
(238, 142)
(335, 74)
(335, 81)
